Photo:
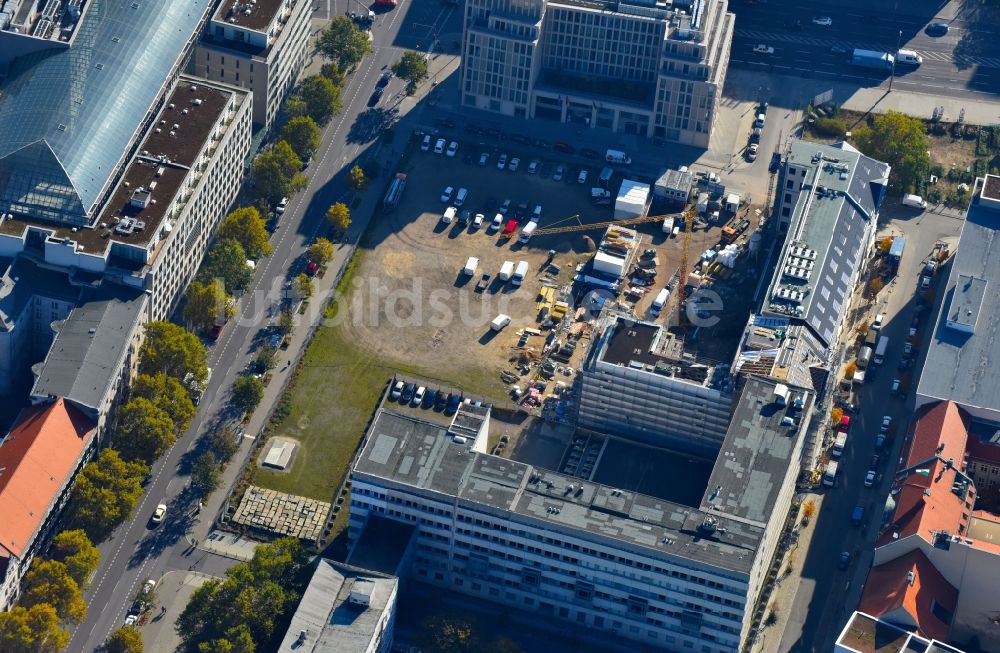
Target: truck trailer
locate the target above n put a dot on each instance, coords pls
(883, 345)
(872, 59)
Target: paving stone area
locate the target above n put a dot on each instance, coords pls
(282, 514)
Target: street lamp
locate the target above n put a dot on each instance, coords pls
(892, 74)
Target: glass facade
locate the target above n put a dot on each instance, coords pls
(67, 119)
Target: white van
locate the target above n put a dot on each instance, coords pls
(519, 273)
(449, 215)
(460, 197)
(527, 231)
(499, 322)
(426, 144)
(915, 201)
(909, 57)
(660, 301)
(536, 215)
(830, 476)
(839, 445)
(506, 270)
(470, 266)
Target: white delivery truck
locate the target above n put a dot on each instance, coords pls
(527, 231)
(880, 349)
(519, 273)
(830, 476)
(838, 445)
(449, 215)
(506, 270)
(470, 266)
(617, 156)
(660, 301)
(499, 322)
(915, 201)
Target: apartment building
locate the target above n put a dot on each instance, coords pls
(635, 383)
(828, 200)
(963, 357)
(650, 69)
(259, 45)
(609, 561)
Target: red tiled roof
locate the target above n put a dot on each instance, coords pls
(888, 590)
(941, 429)
(37, 459)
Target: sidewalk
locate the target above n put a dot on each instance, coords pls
(172, 592)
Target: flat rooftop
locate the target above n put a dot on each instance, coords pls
(250, 14)
(164, 160)
(407, 451)
(831, 222)
(784, 350)
(645, 345)
(963, 357)
(21, 281)
(331, 621)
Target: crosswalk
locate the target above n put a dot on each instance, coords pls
(959, 60)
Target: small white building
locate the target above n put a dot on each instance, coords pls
(633, 198)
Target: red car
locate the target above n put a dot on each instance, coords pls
(845, 423)
(561, 146)
(311, 269)
(510, 227)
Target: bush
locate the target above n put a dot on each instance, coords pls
(830, 127)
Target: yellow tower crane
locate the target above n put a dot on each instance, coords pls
(597, 225)
(682, 267)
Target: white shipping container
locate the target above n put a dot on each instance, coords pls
(499, 322)
(471, 265)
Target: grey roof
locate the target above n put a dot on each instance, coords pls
(331, 623)
(832, 221)
(21, 281)
(67, 119)
(407, 451)
(86, 355)
(758, 454)
(784, 350)
(963, 363)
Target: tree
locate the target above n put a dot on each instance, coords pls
(169, 395)
(247, 393)
(174, 351)
(247, 227)
(303, 134)
(144, 430)
(884, 245)
(105, 493)
(75, 550)
(322, 98)
(227, 260)
(356, 180)
(266, 358)
(836, 414)
(849, 371)
(294, 107)
(304, 285)
(875, 286)
(339, 216)
(900, 141)
(208, 305)
(320, 252)
(50, 582)
(343, 43)
(205, 474)
(277, 173)
(223, 443)
(809, 509)
(126, 639)
(333, 73)
(286, 321)
(32, 630)
(411, 67)
(449, 633)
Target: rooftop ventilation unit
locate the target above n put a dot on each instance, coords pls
(140, 199)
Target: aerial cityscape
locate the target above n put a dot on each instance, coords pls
(499, 326)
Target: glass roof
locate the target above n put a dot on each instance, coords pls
(67, 118)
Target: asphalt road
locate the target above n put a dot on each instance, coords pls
(135, 551)
(961, 64)
(828, 595)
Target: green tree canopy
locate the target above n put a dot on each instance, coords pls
(246, 225)
(205, 473)
(32, 630)
(449, 633)
(339, 216)
(322, 98)
(411, 67)
(276, 173)
(169, 395)
(145, 431)
(286, 322)
(208, 304)
(105, 493)
(343, 43)
(126, 639)
(174, 351)
(333, 73)
(304, 285)
(249, 603)
(266, 357)
(49, 581)
(900, 141)
(227, 260)
(356, 180)
(223, 443)
(74, 549)
(303, 134)
(320, 252)
(247, 393)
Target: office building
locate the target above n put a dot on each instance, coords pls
(259, 45)
(343, 610)
(646, 68)
(963, 358)
(828, 200)
(636, 383)
(611, 561)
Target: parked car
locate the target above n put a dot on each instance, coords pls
(497, 222)
(397, 390)
(533, 166)
(504, 207)
(752, 152)
(559, 173)
(937, 29)
(502, 162)
(775, 164)
(425, 145)
(484, 158)
(760, 48)
(844, 560)
(477, 222)
(838, 49)
(870, 478)
(282, 205)
(312, 268)
(452, 149)
(439, 146)
(454, 401)
(383, 80)
(514, 163)
(823, 21)
(418, 396)
(563, 147)
(159, 514)
(375, 96)
(447, 193)
(440, 402)
(408, 391)
(582, 177)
